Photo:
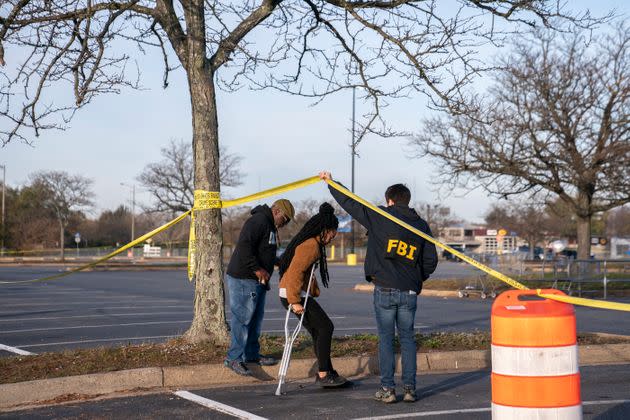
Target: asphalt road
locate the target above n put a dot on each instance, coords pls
(461, 396)
(108, 308)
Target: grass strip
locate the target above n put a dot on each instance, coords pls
(179, 353)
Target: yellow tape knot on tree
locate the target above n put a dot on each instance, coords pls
(204, 200)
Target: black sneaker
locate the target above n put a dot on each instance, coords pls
(386, 395)
(238, 367)
(331, 380)
(264, 361)
(410, 394)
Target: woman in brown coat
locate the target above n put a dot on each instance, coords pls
(308, 247)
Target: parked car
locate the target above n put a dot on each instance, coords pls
(450, 257)
(569, 253)
(539, 253)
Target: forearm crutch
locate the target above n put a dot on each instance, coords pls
(289, 340)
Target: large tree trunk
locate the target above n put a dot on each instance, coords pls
(531, 242)
(209, 322)
(584, 215)
(584, 237)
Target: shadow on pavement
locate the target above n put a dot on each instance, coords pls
(451, 382)
(618, 412)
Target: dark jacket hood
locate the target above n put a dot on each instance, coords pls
(263, 209)
(256, 247)
(404, 211)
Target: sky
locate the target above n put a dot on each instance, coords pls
(281, 139)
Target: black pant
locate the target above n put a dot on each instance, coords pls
(321, 329)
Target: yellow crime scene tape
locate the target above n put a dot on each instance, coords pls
(108, 256)
(205, 200)
(567, 299)
(426, 237)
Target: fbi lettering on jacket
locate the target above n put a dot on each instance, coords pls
(401, 250)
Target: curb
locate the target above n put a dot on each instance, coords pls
(425, 292)
(16, 395)
(32, 392)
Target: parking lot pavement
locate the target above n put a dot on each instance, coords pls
(605, 396)
(91, 309)
(150, 407)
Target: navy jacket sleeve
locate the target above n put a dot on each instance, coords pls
(355, 209)
(250, 238)
(429, 256)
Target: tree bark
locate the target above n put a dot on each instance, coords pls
(584, 237)
(532, 247)
(209, 323)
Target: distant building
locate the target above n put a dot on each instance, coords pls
(479, 239)
(619, 247)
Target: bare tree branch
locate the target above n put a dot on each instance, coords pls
(63, 193)
(314, 48)
(171, 181)
(555, 123)
(229, 43)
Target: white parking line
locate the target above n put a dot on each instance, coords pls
(603, 402)
(99, 340)
(215, 405)
(139, 307)
(123, 315)
(96, 316)
(15, 350)
(95, 326)
(426, 413)
(116, 300)
(43, 293)
(23, 292)
(39, 300)
(110, 308)
(469, 410)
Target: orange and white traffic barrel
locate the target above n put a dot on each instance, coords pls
(535, 372)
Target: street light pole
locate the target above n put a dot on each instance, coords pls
(133, 212)
(133, 209)
(353, 152)
(4, 173)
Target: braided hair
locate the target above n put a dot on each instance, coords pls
(313, 228)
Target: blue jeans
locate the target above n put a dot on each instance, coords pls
(247, 306)
(396, 308)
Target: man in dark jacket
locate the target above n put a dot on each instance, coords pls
(247, 278)
(397, 262)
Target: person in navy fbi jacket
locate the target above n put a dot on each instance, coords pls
(397, 262)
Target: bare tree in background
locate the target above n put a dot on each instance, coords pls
(555, 124)
(171, 181)
(62, 194)
(618, 222)
(562, 219)
(528, 220)
(437, 216)
(29, 225)
(113, 226)
(312, 48)
(175, 237)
